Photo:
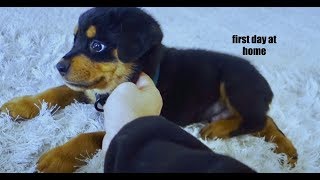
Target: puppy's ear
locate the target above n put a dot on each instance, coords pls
(138, 33)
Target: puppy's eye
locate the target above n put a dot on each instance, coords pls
(97, 46)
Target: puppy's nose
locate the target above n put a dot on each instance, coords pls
(63, 67)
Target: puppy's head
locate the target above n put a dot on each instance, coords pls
(108, 45)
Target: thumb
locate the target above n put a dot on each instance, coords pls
(144, 82)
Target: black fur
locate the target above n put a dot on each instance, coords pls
(189, 79)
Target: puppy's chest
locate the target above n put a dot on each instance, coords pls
(91, 95)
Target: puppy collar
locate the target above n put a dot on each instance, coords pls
(102, 98)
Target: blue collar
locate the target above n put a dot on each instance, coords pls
(156, 76)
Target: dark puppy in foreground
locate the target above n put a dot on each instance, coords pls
(113, 45)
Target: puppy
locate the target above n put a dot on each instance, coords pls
(113, 45)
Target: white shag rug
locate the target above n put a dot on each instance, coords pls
(32, 41)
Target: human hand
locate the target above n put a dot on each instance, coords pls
(130, 101)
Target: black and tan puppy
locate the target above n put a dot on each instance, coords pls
(113, 45)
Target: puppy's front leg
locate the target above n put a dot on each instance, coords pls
(25, 107)
(68, 157)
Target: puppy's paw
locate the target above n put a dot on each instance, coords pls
(214, 130)
(21, 108)
(284, 145)
(221, 128)
(273, 134)
(58, 160)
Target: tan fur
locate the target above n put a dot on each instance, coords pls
(101, 77)
(91, 31)
(26, 107)
(91, 95)
(272, 134)
(225, 100)
(67, 158)
(223, 127)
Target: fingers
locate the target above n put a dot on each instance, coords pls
(147, 87)
(126, 86)
(144, 82)
(143, 88)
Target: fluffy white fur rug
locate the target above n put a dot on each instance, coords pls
(32, 40)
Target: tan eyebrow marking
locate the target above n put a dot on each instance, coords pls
(91, 31)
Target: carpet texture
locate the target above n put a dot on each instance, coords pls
(32, 41)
